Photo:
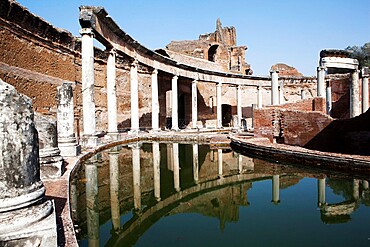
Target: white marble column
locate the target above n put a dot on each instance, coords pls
(274, 87)
(136, 176)
(281, 93)
(157, 171)
(112, 95)
(176, 166)
(92, 207)
(259, 96)
(114, 188)
(175, 99)
(219, 162)
(195, 163)
(321, 81)
(88, 100)
(276, 189)
(194, 103)
(303, 94)
(321, 191)
(354, 91)
(239, 105)
(219, 104)
(155, 101)
(134, 89)
(328, 99)
(67, 142)
(365, 89)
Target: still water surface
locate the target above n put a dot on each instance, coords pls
(175, 194)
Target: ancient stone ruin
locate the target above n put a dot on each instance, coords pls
(26, 218)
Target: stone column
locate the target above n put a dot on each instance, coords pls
(219, 104)
(274, 87)
(88, 100)
(281, 93)
(136, 176)
(303, 94)
(157, 171)
(65, 118)
(194, 103)
(239, 105)
(195, 163)
(51, 163)
(321, 191)
(114, 188)
(259, 96)
(155, 101)
(321, 81)
(23, 209)
(219, 162)
(354, 95)
(175, 116)
(111, 95)
(240, 163)
(134, 89)
(276, 189)
(365, 89)
(92, 207)
(328, 99)
(176, 166)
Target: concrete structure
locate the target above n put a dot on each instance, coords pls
(65, 117)
(21, 190)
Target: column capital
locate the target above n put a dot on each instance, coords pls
(87, 31)
(112, 51)
(194, 81)
(322, 68)
(134, 64)
(274, 71)
(218, 84)
(155, 71)
(175, 77)
(365, 72)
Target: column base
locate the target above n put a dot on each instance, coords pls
(31, 226)
(51, 163)
(90, 141)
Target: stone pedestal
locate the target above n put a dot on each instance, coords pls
(51, 163)
(65, 117)
(26, 219)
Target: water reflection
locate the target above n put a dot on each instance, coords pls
(119, 194)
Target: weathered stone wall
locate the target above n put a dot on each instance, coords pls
(294, 124)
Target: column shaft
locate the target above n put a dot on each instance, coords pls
(354, 95)
(176, 166)
(134, 88)
(111, 93)
(195, 163)
(114, 189)
(175, 116)
(194, 112)
(274, 87)
(328, 100)
(92, 207)
(88, 101)
(239, 105)
(219, 105)
(320, 81)
(365, 92)
(259, 97)
(155, 101)
(281, 93)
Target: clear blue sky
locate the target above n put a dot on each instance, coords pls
(287, 31)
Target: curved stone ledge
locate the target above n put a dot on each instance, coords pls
(355, 164)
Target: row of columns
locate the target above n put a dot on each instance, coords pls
(324, 90)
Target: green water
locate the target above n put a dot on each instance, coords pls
(200, 196)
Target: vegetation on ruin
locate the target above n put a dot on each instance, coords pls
(361, 53)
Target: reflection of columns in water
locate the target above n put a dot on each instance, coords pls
(356, 189)
(365, 184)
(157, 171)
(136, 176)
(276, 189)
(195, 163)
(92, 209)
(74, 198)
(114, 189)
(321, 191)
(212, 155)
(219, 158)
(176, 166)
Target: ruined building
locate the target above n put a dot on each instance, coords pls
(218, 47)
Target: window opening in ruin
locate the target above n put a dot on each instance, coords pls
(212, 53)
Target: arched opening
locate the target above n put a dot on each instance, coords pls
(212, 53)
